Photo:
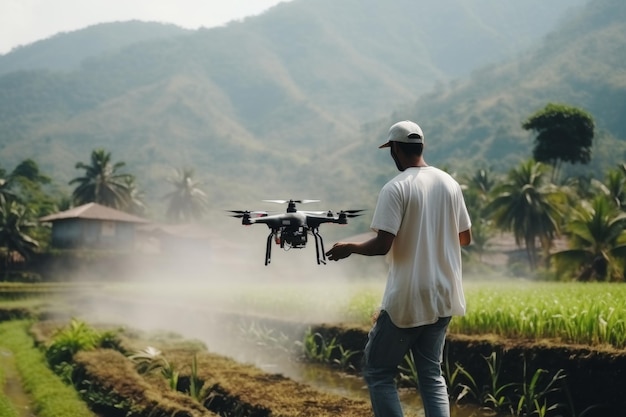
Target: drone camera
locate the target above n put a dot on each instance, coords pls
(293, 238)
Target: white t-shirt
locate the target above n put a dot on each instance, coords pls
(425, 210)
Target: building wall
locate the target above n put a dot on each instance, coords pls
(87, 233)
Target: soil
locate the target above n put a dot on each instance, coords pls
(594, 377)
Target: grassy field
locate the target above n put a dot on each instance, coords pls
(581, 313)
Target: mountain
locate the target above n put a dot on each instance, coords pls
(287, 104)
(477, 121)
(65, 51)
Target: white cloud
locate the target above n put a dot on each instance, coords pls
(26, 21)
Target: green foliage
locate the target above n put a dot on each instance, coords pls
(597, 238)
(77, 336)
(103, 182)
(533, 393)
(14, 224)
(317, 349)
(50, 396)
(526, 204)
(579, 313)
(564, 134)
(150, 360)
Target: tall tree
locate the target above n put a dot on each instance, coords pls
(529, 206)
(564, 134)
(103, 182)
(187, 201)
(13, 222)
(597, 239)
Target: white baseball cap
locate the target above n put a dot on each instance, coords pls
(405, 131)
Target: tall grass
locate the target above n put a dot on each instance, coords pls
(580, 313)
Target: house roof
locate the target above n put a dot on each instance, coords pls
(94, 211)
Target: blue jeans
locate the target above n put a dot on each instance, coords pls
(386, 347)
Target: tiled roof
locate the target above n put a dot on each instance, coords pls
(94, 211)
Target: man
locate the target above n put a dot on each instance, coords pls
(422, 221)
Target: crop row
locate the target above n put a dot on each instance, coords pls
(581, 313)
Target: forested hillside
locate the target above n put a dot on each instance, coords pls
(292, 102)
(580, 63)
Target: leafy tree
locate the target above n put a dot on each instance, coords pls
(31, 187)
(529, 206)
(564, 134)
(13, 221)
(102, 183)
(186, 202)
(597, 241)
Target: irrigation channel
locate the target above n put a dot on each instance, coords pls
(222, 333)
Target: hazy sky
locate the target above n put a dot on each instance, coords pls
(26, 21)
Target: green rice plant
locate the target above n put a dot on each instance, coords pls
(50, 396)
(264, 336)
(495, 396)
(533, 396)
(457, 389)
(6, 408)
(195, 383)
(582, 313)
(344, 357)
(326, 349)
(150, 360)
(316, 349)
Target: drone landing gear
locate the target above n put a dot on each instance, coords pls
(268, 247)
(319, 244)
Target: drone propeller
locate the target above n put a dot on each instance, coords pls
(351, 213)
(291, 201)
(243, 213)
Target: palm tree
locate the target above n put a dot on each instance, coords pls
(476, 189)
(529, 206)
(103, 183)
(12, 237)
(597, 241)
(187, 202)
(616, 186)
(136, 204)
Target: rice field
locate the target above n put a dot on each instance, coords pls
(577, 313)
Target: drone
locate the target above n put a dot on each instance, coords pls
(290, 230)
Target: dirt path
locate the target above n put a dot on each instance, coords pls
(13, 388)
